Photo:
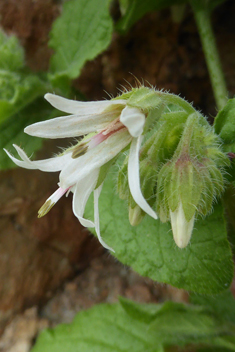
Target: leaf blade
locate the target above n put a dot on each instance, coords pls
(204, 266)
(82, 32)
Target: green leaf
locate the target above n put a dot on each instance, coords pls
(204, 266)
(213, 349)
(221, 305)
(135, 9)
(82, 32)
(17, 87)
(142, 312)
(227, 343)
(183, 325)
(206, 4)
(225, 125)
(180, 324)
(121, 327)
(18, 90)
(177, 323)
(12, 130)
(104, 328)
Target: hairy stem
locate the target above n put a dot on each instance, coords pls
(202, 17)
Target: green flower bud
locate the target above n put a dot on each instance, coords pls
(180, 163)
(136, 215)
(188, 183)
(181, 228)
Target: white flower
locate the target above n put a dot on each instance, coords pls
(115, 125)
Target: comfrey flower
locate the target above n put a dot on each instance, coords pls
(109, 126)
(177, 171)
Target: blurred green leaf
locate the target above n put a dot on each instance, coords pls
(104, 328)
(221, 305)
(12, 130)
(206, 4)
(135, 9)
(204, 266)
(179, 324)
(18, 88)
(11, 53)
(121, 327)
(83, 31)
(139, 311)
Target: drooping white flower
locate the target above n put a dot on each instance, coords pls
(110, 126)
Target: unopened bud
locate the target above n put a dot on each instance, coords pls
(136, 215)
(181, 228)
(189, 182)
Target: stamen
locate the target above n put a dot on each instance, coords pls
(113, 126)
(45, 208)
(50, 202)
(79, 150)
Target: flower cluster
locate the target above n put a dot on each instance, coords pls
(177, 170)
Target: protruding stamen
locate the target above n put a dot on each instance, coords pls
(50, 202)
(45, 208)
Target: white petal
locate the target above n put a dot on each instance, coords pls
(82, 192)
(96, 216)
(181, 228)
(134, 178)
(81, 107)
(134, 120)
(51, 164)
(81, 167)
(70, 126)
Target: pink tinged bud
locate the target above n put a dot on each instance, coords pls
(181, 228)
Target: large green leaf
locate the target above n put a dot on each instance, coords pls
(83, 31)
(104, 328)
(204, 266)
(121, 328)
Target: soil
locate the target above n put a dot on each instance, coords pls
(51, 268)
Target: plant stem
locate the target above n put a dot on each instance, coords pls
(202, 17)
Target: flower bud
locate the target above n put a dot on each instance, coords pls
(180, 165)
(181, 228)
(189, 182)
(136, 215)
